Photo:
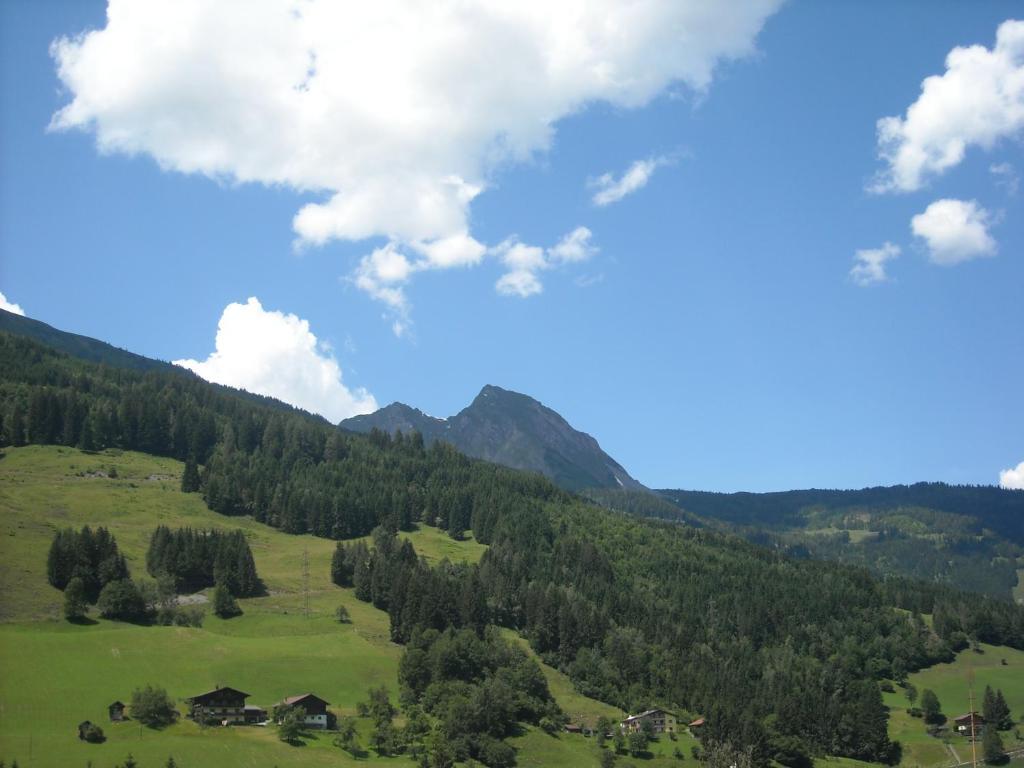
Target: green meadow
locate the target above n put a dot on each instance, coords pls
(54, 675)
(951, 684)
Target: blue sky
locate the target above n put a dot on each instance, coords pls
(706, 327)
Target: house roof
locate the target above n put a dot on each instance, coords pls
(968, 717)
(222, 690)
(291, 701)
(698, 722)
(253, 708)
(117, 704)
(648, 713)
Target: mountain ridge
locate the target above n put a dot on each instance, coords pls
(512, 429)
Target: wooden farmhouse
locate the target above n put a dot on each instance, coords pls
(315, 709)
(116, 711)
(661, 720)
(223, 705)
(964, 722)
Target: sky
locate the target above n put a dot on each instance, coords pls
(750, 246)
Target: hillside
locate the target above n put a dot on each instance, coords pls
(54, 674)
(636, 613)
(73, 344)
(968, 536)
(511, 429)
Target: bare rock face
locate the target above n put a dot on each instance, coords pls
(514, 430)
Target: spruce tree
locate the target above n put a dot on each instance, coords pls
(224, 604)
(1001, 712)
(992, 747)
(190, 477)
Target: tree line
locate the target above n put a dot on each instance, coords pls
(196, 559)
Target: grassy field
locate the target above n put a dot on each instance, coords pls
(950, 683)
(53, 674)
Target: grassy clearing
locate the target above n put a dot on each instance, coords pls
(950, 683)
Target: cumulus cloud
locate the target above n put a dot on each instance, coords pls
(524, 262)
(10, 306)
(275, 354)
(611, 190)
(396, 113)
(954, 231)
(976, 102)
(1012, 478)
(869, 266)
(1006, 177)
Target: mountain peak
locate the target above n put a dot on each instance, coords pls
(513, 429)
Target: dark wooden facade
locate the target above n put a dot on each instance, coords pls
(223, 705)
(116, 712)
(315, 708)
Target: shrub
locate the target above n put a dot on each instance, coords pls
(122, 600)
(153, 707)
(93, 734)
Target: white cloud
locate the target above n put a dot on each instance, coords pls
(1012, 478)
(869, 266)
(611, 190)
(955, 231)
(271, 353)
(1006, 177)
(976, 102)
(10, 306)
(395, 113)
(525, 261)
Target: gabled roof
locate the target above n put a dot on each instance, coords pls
(968, 717)
(120, 704)
(291, 701)
(648, 713)
(218, 691)
(697, 723)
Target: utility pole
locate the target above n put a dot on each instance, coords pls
(305, 582)
(974, 743)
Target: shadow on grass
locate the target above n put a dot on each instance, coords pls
(82, 621)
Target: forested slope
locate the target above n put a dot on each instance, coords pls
(636, 612)
(971, 537)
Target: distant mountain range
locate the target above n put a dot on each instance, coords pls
(512, 429)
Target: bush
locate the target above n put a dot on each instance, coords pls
(122, 600)
(153, 707)
(342, 615)
(75, 605)
(93, 734)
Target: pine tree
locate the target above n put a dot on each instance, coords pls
(992, 747)
(190, 477)
(1001, 712)
(224, 604)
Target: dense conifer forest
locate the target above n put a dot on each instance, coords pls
(781, 655)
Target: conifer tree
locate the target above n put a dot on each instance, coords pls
(190, 477)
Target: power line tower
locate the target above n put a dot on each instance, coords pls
(305, 582)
